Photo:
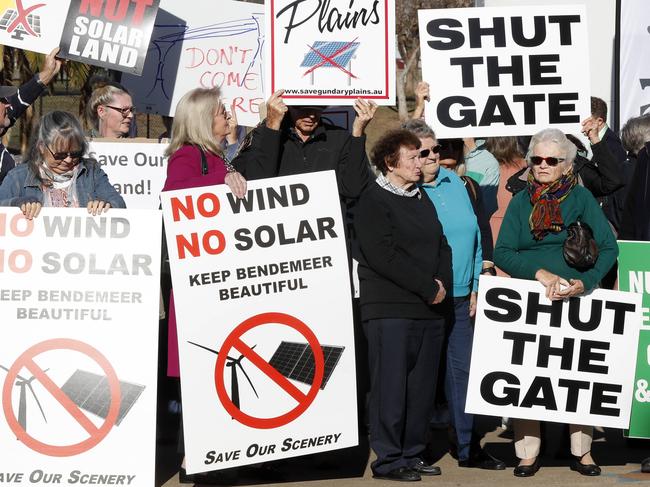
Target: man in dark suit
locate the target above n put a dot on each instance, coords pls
(599, 114)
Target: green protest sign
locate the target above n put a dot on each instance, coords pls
(634, 276)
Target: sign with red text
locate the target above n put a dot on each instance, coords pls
(504, 71)
(200, 47)
(113, 34)
(568, 361)
(331, 53)
(137, 170)
(79, 298)
(263, 309)
(33, 25)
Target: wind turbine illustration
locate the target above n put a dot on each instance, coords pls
(234, 382)
(23, 384)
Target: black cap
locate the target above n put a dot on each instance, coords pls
(7, 91)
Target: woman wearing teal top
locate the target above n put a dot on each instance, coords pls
(530, 247)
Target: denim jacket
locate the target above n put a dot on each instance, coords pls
(21, 186)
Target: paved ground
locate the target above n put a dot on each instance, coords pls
(618, 457)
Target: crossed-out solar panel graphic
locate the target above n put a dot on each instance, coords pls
(91, 392)
(296, 361)
(10, 16)
(329, 49)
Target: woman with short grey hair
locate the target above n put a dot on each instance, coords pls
(635, 133)
(56, 172)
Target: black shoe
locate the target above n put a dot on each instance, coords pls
(424, 469)
(589, 469)
(401, 474)
(526, 470)
(483, 460)
(645, 465)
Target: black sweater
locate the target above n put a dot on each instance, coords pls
(403, 250)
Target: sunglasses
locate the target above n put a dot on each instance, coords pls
(425, 152)
(551, 161)
(60, 156)
(124, 111)
(4, 100)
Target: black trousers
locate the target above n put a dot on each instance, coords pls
(404, 355)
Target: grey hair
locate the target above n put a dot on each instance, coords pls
(554, 136)
(419, 127)
(52, 127)
(635, 133)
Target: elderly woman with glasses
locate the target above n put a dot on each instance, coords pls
(56, 173)
(111, 111)
(530, 246)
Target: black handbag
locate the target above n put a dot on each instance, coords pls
(580, 249)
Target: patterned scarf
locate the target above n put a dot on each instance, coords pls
(546, 198)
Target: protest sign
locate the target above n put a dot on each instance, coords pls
(33, 25)
(198, 48)
(634, 276)
(263, 307)
(113, 34)
(79, 298)
(137, 170)
(330, 53)
(634, 59)
(566, 361)
(503, 71)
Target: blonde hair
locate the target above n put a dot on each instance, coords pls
(197, 107)
(104, 95)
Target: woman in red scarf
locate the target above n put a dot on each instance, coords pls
(530, 246)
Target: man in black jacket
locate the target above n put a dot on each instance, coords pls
(14, 101)
(607, 135)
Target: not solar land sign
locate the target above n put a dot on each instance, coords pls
(497, 71)
(330, 53)
(263, 307)
(79, 297)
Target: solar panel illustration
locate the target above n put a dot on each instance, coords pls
(91, 392)
(296, 361)
(327, 49)
(7, 18)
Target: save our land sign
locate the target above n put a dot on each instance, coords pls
(330, 53)
(113, 34)
(79, 297)
(505, 71)
(566, 361)
(263, 307)
(634, 276)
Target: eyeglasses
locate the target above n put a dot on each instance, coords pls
(124, 111)
(5, 101)
(425, 152)
(551, 161)
(60, 156)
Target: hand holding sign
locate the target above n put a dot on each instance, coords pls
(275, 110)
(365, 112)
(51, 67)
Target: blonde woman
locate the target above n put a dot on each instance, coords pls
(111, 112)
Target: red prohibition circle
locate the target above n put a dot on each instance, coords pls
(233, 341)
(95, 434)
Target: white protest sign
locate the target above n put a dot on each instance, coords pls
(137, 170)
(113, 34)
(567, 361)
(634, 59)
(79, 299)
(33, 25)
(504, 71)
(331, 53)
(263, 306)
(199, 46)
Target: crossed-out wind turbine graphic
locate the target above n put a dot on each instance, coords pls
(24, 384)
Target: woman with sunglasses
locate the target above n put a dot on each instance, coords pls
(530, 245)
(57, 174)
(111, 112)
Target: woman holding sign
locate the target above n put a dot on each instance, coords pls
(404, 272)
(530, 246)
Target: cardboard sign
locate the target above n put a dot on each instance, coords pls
(77, 376)
(331, 53)
(504, 71)
(137, 170)
(564, 361)
(203, 47)
(263, 307)
(634, 59)
(634, 276)
(113, 34)
(33, 25)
